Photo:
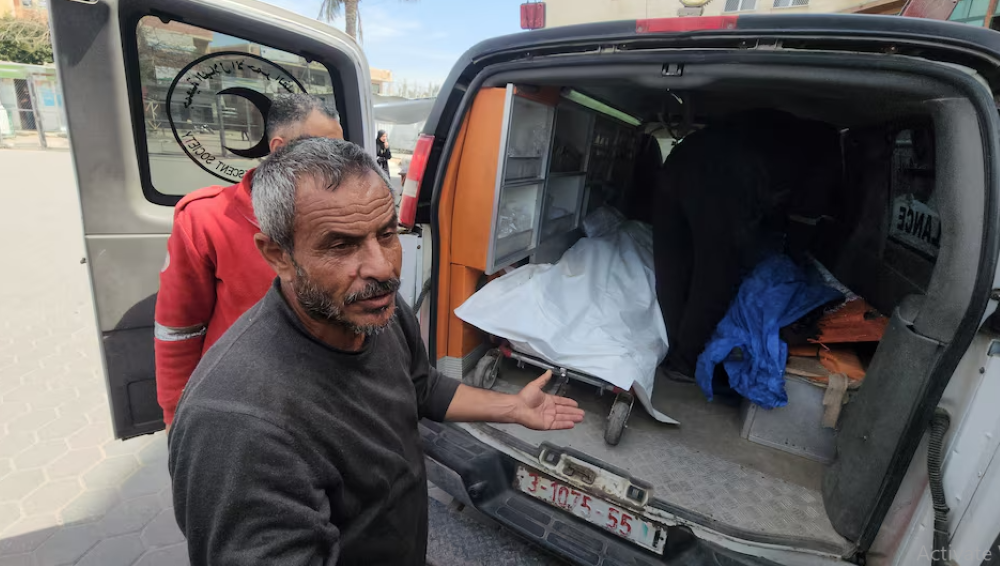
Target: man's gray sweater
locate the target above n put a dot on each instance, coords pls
(286, 451)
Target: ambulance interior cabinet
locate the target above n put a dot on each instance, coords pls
(524, 152)
(566, 183)
(541, 176)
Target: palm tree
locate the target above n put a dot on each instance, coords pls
(330, 9)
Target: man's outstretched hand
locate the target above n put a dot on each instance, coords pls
(531, 407)
(540, 411)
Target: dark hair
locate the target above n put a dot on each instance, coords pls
(274, 182)
(378, 138)
(288, 109)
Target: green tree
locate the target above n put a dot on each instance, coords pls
(25, 40)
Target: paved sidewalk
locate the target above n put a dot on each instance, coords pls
(69, 492)
(28, 140)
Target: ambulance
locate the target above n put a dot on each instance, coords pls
(159, 100)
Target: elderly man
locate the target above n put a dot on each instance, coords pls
(296, 441)
(213, 272)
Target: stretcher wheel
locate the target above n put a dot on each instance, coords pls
(487, 369)
(616, 421)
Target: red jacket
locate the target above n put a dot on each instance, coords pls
(212, 274)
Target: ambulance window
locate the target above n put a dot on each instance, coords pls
(915, 222)
(202, 95)
(914, 226)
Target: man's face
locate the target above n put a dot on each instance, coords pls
(347, 253)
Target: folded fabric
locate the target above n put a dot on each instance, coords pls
(777, 293)
(854, 321)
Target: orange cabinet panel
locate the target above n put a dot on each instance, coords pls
(475, 191)
(462, 338)
(466, 214)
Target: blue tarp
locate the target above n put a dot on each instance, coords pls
(777, 293)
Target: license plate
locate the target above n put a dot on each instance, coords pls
(594, 510)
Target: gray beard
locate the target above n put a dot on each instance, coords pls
(321, 307)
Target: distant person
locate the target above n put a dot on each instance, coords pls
(296, 442)
(213, 272)
(382, 152)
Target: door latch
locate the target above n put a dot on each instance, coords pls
(582, 473)
(673, 70)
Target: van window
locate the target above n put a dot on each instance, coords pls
(914, 223)
(202, 94)
(914, 226)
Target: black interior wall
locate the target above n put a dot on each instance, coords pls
(883, 423)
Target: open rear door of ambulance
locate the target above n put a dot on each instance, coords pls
(164, 97)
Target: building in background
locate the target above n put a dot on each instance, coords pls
(381, 80)
(29, 94)
(537, 14)
(974, 13)
(554, 13)
(25, 8)
(30, 99)
(31, 104)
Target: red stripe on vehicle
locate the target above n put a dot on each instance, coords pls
(668, 25)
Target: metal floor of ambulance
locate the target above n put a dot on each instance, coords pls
(702, 465)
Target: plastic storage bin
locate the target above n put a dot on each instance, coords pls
(796, 427)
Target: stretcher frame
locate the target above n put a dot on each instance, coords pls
(487, 370)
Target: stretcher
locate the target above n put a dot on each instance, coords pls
(592, 317)
(488, 369)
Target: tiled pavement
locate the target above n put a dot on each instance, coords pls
(69, 492)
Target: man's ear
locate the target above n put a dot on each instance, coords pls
(275, 143)
(275, 256)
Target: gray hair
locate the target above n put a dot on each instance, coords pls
(289, 109)
(327, 161)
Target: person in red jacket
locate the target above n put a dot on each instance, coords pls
(213, 272)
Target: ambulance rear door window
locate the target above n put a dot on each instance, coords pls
(914, 221)
(912, 224)
(204, 95)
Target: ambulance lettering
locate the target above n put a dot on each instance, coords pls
(915, 225)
